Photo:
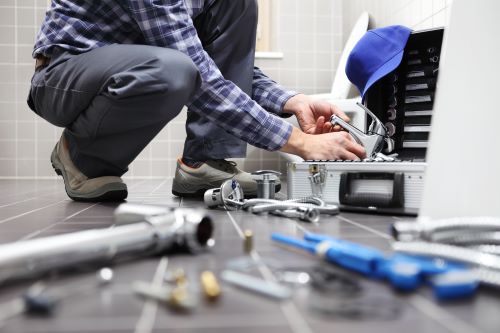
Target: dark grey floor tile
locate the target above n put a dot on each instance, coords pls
(31, 209)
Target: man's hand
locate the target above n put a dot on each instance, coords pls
(313, 116)
(326, 146)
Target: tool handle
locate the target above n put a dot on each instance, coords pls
(297, 243)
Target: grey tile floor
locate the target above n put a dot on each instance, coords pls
(31, 209)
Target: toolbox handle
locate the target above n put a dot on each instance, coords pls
(382, 200)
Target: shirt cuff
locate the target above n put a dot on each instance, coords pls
(273, 134)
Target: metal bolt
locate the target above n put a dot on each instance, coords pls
(210, 285)
(248, 241)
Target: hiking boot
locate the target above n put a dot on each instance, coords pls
(78, 186)
(193, 182)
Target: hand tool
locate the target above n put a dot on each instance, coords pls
(178, 297)
(260, 286)
(404, 272)
(419, 99)
(422, 71)
(429, 50)
(390, 145)
(391, 114)
(420, 61)
(35, 301)
(391, 128)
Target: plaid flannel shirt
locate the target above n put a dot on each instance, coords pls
(82, 25)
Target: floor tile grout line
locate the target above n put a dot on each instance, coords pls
(25, 192)
(294, 318)
(50, 193)
(235, 225)
(136, 185)
(148, 315)
(145, 323)
(422, 304)
(35, 233)
(139, 183)
(31, 211)
(159, 186)
(301, 227)
(452, 323)
(376, 232)
(32, 198)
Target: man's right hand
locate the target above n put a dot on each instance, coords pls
(327, 146)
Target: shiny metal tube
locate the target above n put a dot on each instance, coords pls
(465, 238)
(450, 252)
(329, 209)
(492, 249)
(306, 200)
(488, 276)
(305, 214)
(409, 231)
(307, 208)
(180, 228)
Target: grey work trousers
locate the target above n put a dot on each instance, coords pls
(113, 100)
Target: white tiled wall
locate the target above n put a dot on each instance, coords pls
(24, 139)
(309, 33)
(416, 14)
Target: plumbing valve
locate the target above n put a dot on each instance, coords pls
(266, 183)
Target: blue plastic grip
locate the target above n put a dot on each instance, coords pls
(298, 243)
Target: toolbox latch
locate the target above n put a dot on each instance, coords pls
(317, 179)
(350, 195)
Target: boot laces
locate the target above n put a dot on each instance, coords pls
(227, 166)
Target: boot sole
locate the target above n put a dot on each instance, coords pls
(106, 193)
(200, 193)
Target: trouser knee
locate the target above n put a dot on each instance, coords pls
(180, 75)
(168, 77)
(250, 11)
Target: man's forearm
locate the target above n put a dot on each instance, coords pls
(269, 94)
(296, 143)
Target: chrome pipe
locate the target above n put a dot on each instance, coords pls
(465, 238)
(424, 230)
(450, 252)
(304, 214)
(185, 228)
(328, 209)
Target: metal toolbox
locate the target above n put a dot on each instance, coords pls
(382, 187)
(403, 100)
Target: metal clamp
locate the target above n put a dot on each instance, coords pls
(317, 179)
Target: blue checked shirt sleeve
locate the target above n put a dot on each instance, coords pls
(167, 23)
(270, 95)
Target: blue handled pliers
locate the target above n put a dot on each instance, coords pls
(449, 280)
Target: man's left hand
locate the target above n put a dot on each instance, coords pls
(313, 115)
